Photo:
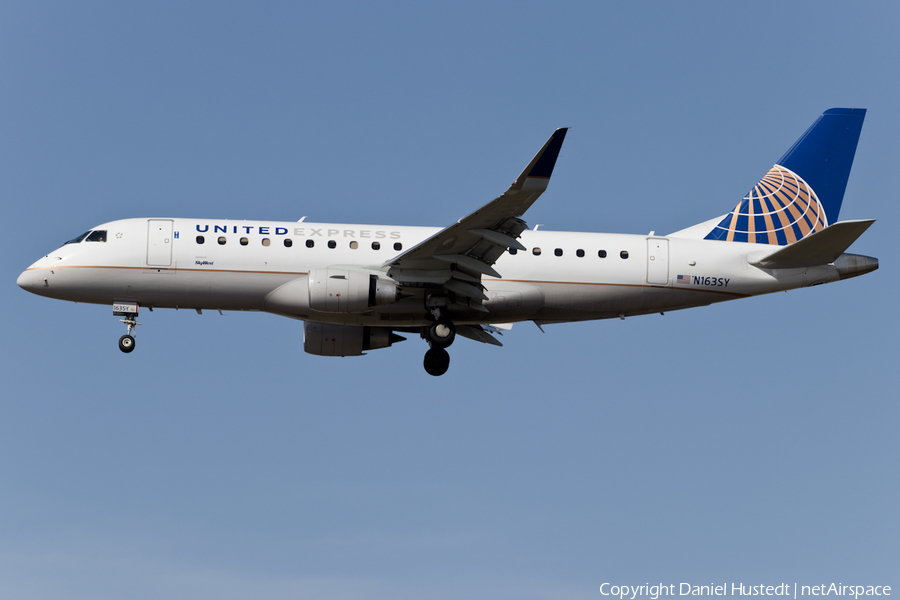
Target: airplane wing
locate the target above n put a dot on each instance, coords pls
(456, 257)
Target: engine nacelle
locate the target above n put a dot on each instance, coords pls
(345, 340)
(334, 289)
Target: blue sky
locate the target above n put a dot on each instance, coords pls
(753, 441)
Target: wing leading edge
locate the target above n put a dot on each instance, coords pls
(456, 257)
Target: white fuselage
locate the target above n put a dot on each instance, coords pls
(262, 266)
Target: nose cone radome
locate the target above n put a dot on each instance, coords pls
(26, 280)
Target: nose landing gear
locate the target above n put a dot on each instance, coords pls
(126, 343)
(129, 310)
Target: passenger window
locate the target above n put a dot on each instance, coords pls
(376, 246)
(288, 242)
(536, 251)
(624, 253)
(579, 253)
(244, 241)
(513, 251)
(96, 236)
(310, 243)
(221, 240)
(332, 244)
(354, 245)
(79, 239)
(200, 239)
(558, 252)
(398, 246)
(266, 241)
(602, 254)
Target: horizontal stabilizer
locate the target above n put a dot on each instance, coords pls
(820, 248)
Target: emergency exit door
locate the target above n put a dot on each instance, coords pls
(657, 261)
(159, 242)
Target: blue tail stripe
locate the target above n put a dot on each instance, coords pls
(720, 230)
(759, 224)
(824, 154)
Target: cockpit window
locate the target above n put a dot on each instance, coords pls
(98, 235)
(79, 239)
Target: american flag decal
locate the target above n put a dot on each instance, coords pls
(683, 280)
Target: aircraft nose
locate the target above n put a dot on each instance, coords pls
(26, 280)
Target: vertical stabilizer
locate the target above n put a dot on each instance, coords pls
(802, 193)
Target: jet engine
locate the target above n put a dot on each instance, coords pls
(334, 289)
(345, 340)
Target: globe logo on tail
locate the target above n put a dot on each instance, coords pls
(781, 209)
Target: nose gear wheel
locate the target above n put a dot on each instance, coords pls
(126, 343)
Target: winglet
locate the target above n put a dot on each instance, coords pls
(541, 166)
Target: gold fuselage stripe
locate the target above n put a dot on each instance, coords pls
(537, 281)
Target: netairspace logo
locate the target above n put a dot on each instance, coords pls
(654, 592)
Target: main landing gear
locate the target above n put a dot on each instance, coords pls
(437, 361)
(129, 310)
(439, 336)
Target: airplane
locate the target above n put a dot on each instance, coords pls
(358, 287)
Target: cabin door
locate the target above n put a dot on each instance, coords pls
(159, 242)
(657, 261)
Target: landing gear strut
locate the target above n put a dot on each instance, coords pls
(129, 310)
